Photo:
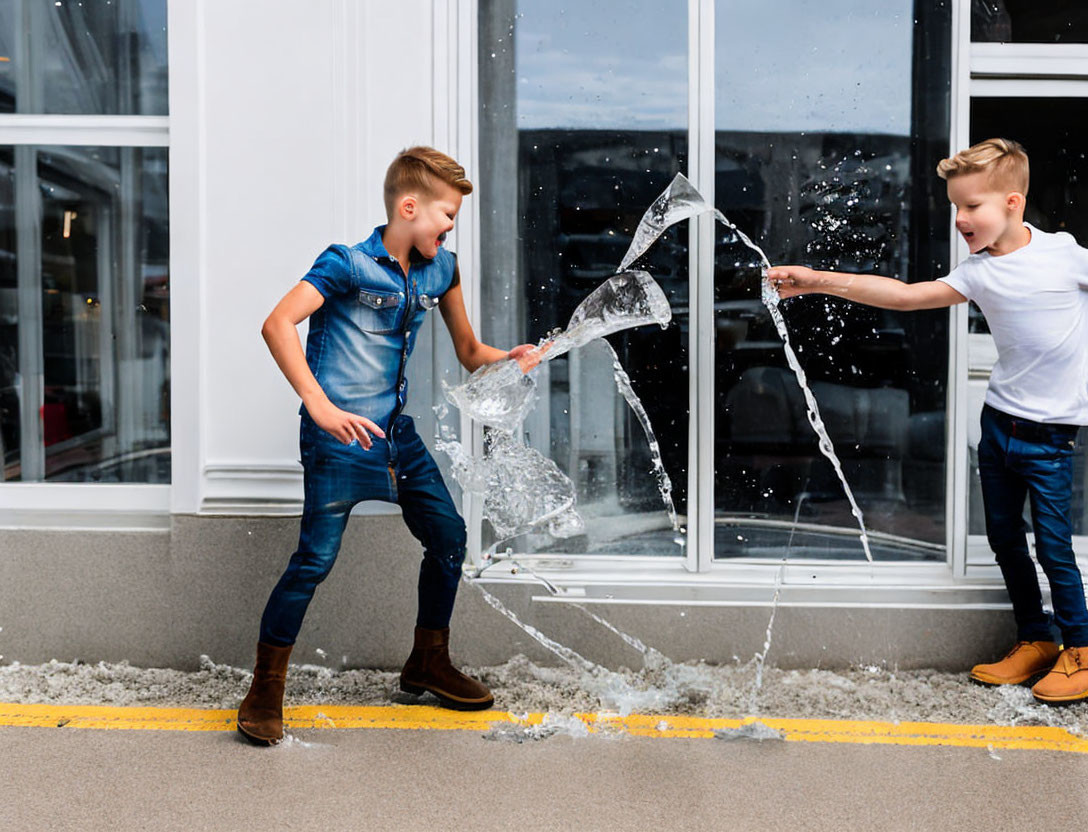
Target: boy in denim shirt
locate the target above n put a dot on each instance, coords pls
(1031, 286)
(366, 304)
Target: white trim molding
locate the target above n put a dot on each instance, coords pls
(1029, 88)
(85, 131)
(76, 506)
(628, 580)
(269, 490)
(1029, 60)
(188, 244)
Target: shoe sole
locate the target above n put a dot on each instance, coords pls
(1062, 701)
(1027, 681)
(259, 741)
(448, 701)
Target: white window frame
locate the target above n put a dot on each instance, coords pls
(46, 505)
(698, 578)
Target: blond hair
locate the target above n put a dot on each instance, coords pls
(417, 169)
(1005, 160)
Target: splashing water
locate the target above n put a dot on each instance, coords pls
(827, 448)
(761, 657)
(664, 484)
(571, 657)
(756, 731)
(682, 201)
(500, 395)
(551, 726)
(678, 683)
(521, 488)
(679, 201)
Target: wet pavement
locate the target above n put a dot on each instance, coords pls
(386, 779)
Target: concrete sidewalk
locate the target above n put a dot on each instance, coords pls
(365, 779)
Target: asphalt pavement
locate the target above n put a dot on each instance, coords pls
(59, 779)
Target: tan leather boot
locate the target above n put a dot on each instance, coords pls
(260, 718)
(429, 668)
(1025, 661)
(1068, 679)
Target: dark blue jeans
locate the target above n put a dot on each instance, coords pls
(1018, 458)
(398, 469)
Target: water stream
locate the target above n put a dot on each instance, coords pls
(522, 490)
(682, 201)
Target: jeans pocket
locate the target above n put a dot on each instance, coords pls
(379, 312)
(1049, 450)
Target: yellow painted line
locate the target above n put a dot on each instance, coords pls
(420, 717)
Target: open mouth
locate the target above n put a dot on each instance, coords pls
(441, 238)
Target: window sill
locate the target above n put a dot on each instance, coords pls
(618, 580)
(85, 506)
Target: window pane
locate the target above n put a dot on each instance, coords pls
(583, 123)
(99, 57)
(828, 160)
(84, 315)
(1050, 130)
(1029, 21)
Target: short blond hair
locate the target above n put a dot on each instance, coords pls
(1005, 160)
(417, 169)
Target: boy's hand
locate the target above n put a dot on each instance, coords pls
(343, 425)
(789, 281)
(529, 356)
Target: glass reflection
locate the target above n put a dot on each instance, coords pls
(91, 359)
(830, 163)
(95, 58)
(583, 122)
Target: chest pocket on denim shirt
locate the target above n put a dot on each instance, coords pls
(379, 312)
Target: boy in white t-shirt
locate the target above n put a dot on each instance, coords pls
(1033, 289)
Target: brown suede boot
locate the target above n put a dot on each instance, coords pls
(1025, 661)
(1068, 679)
(429, 668)
(260, 718)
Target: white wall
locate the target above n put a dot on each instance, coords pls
(282, 125)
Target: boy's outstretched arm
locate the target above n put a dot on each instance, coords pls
(280, 334)
(471, 352)
(885, 292)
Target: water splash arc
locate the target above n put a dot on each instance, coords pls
(681, 201)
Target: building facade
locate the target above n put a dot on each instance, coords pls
(170, 169)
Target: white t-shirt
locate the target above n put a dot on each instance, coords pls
(1035, 300)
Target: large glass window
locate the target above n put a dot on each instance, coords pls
(826, 158)
(96, 57)
(84, 247)
(583, 123)
(84, 314)
(826, 147)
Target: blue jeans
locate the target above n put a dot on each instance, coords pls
(1018, 458)
(398, 469)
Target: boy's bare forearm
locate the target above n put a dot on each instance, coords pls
(870, 289)
(286, 348)
(479, 354)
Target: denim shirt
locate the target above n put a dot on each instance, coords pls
(361, 337)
